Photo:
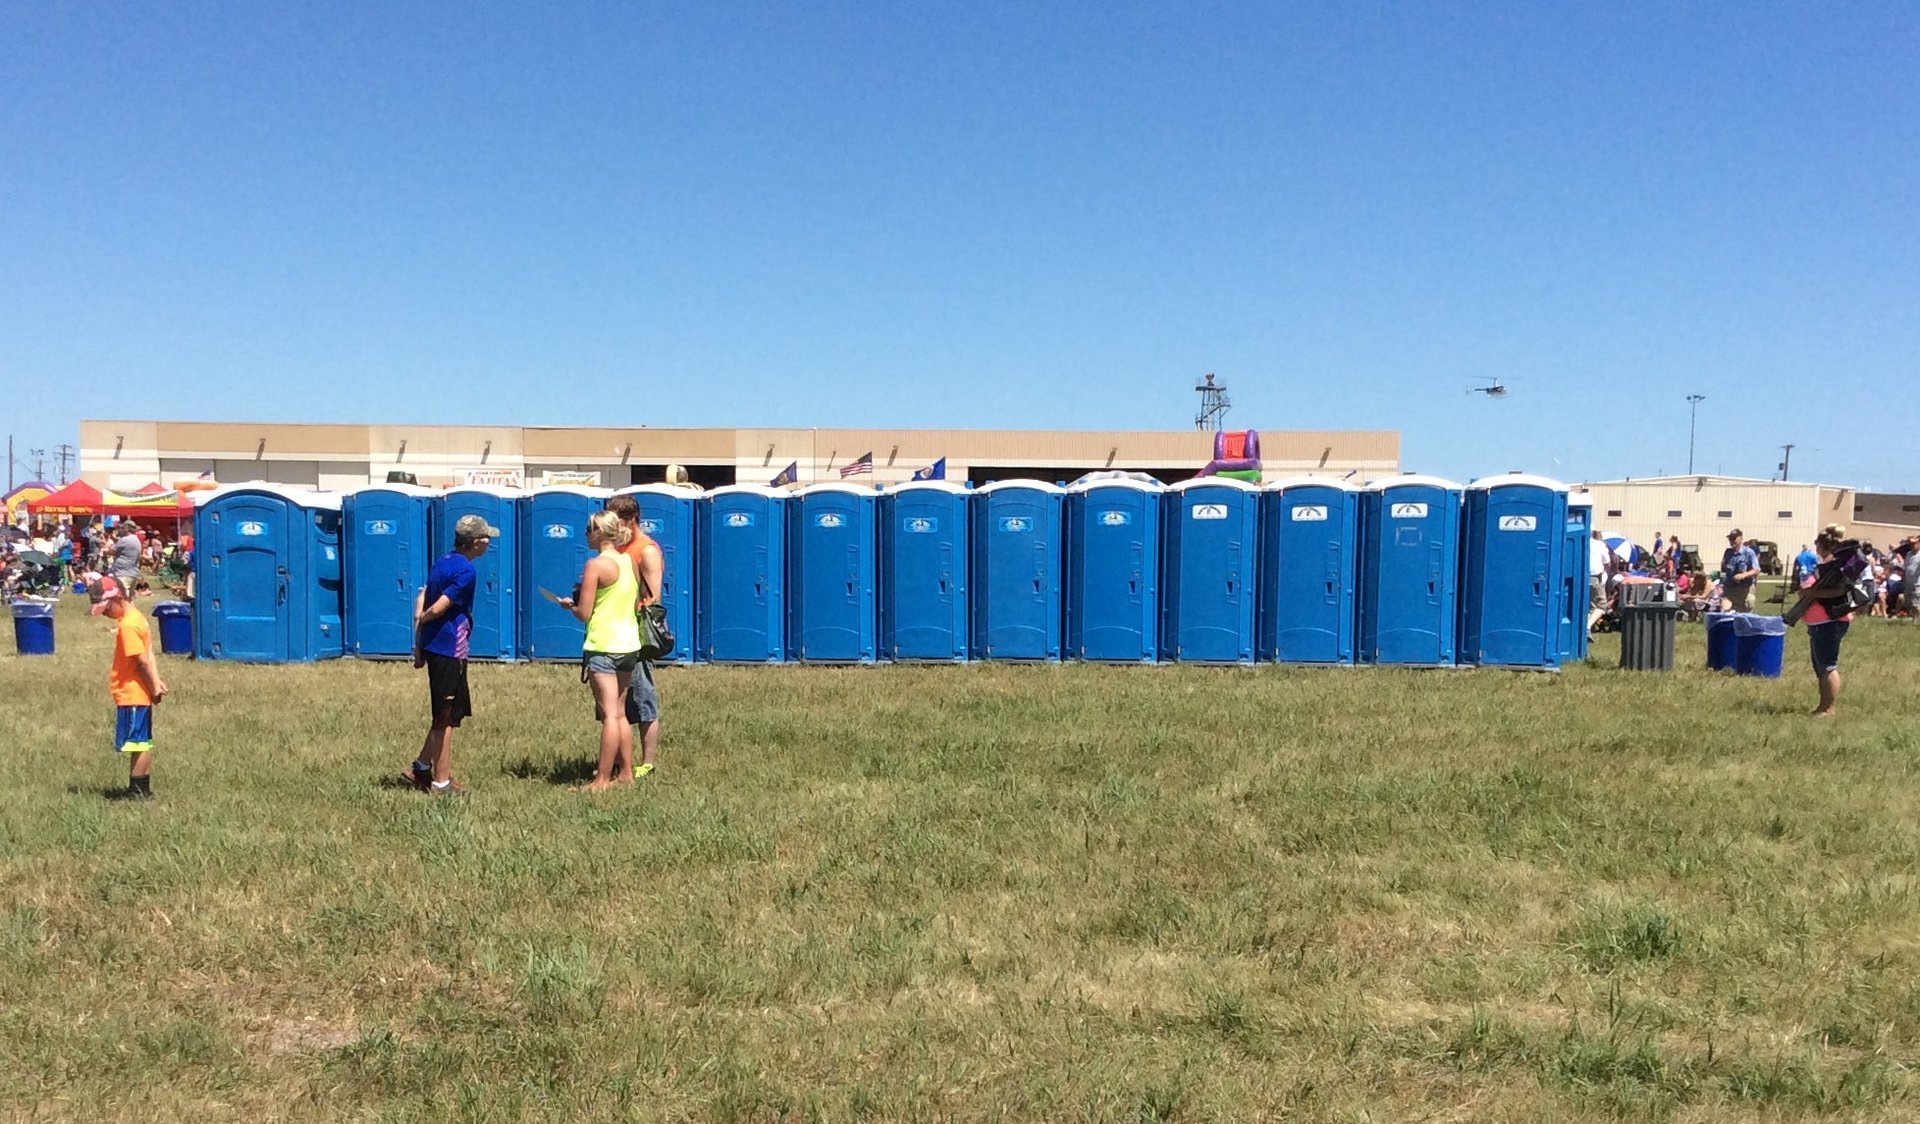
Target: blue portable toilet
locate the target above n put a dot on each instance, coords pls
(832, 573)
(1018, 549)
(1576, 600)
(924, 535)
(1113, 570)
(1309, 569)
(551, 553)
(668, 514)
(267, 574)
(1409, 569)
(740, 583)
(1513, 541)
(496, 605)
(385, 531)
(1211, 543)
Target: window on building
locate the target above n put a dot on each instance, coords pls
(1673, 513)
(1613, 513)
(1725, 514)
(1784, 514)
(1910, 507)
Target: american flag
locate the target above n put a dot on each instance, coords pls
(864, 464)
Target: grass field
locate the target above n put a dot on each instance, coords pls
(982, 892)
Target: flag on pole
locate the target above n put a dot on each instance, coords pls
(935, 471)
(863, 465)
(788, 475)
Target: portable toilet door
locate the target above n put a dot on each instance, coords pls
(740, 589)
(923, 571)
(249, 546)
(495, 595)
(1309, 550)
(323, 635)
(1576, 596)
(832, 572)
(385, 532)
(1513, 536)
(552, 551)
(667, 515)
(1113, 560)
(1211, 543)
(1018, 543)
(1410, 567)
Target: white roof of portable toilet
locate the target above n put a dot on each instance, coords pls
(1515, 480)
(1411, 478)
(931, 486)
(402, 489)
(487, 490)
(1286, 482)
(1213, 482)
(1117, 482)
(677, 491)
(752, 490)
(305, 497)
(587, 490)
(1038, 485)
(1579, 499)
(836, 486)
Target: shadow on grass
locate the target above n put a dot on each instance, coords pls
(112, 792)
(568, 771)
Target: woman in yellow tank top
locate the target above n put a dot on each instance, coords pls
(604, 603)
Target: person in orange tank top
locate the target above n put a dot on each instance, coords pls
(643, 698)
(134, 681)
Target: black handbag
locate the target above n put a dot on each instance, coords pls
(656, 639)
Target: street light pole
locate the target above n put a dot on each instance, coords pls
(1693, 415)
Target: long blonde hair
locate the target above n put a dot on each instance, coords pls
(608, 527)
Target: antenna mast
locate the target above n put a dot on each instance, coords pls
(1214, 404)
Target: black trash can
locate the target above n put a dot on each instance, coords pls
(1646, 635)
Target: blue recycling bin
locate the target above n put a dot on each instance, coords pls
(923, 571)
(32, 628)
(1309, 556)
(1018, 545)
(175, 619)
(1113, 570)
(1723, 644)
(1513, 545)
(831, 575)
(1409, 571)
(1210, 540)
(1759, 644)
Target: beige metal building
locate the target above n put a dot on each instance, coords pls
(1885, 517)
(1702, 509)
(128, 454)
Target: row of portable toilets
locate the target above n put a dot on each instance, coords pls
(1412, 570)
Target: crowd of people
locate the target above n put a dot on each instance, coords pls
(50, 556)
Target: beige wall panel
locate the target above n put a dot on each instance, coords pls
(1883, 535)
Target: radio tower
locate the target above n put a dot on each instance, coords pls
(1214, 404)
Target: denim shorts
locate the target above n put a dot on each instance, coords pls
(1824, 640)
(602, 663)
(643, 700)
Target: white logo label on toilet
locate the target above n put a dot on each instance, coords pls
(1209, 511)
(252, 529)
(1409, 511)
(1115, 518)
(832, 520)
(1517, 522)
(1310, 513)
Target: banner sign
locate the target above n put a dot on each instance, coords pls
(583, 477)
(495, 478)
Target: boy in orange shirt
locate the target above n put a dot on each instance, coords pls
(135, 682)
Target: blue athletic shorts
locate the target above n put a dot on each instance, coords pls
(133, 729)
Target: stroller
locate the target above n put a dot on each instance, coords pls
(32, 573)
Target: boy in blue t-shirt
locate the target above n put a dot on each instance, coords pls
(442, 623)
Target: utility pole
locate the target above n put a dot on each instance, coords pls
(1786, 458)
(1693, 414)
(65, 452)
(39, 463)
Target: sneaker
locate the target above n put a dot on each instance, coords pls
(643, 770)
(452, 788)
(419, 776)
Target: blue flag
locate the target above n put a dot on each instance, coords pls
(935, 471)
(788, 475)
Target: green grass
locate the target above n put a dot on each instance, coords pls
(983, 892)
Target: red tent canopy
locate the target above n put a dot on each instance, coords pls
(152, 489)
(82, 498)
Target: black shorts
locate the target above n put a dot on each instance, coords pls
(447, 689)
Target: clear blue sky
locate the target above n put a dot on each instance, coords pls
(980, 214)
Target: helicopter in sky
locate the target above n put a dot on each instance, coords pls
(1494, 389)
